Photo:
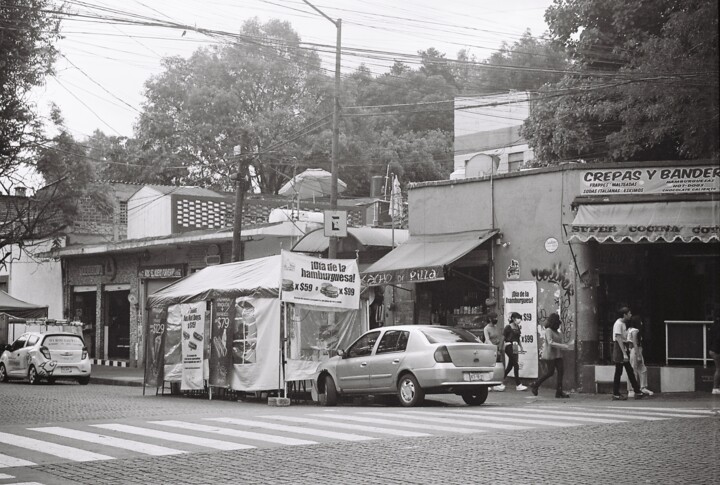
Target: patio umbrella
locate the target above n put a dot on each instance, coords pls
(313, 182)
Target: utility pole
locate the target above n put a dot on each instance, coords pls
(332, 247)
(239, 178)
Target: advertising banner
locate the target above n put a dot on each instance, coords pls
(521, 297)
(657, 180)
(192, 318)
(256, 344)
(321, 282)
(223, 313)
(155, 344)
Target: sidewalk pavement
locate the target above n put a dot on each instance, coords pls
(133, 376)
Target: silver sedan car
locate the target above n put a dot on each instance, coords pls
(411, 361)
(50, 356)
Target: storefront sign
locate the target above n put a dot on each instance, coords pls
(161, 272)
(322, 282)
(192, 319)
(92, 270)
(658, 180)
(521, 297)
(399, 276)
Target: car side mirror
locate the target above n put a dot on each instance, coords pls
(341, 353)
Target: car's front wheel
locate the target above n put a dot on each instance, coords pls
(409, 391)
(330, 395)
(84, 381)
(33, 377)
(3, 373)
(476, 397)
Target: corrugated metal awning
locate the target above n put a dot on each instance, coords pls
(317, 242)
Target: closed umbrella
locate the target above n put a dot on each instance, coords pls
(313, 182)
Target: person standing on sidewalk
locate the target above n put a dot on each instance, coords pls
(621, 356)
(511, 335)
(637, 362)
(714, 348)
(552, 356)
(493, 335)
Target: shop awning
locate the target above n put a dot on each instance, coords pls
(317, 242)
(687, 221)
(423, 258)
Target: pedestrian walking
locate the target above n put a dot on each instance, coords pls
(637, 361)
(552, 356)
(513, 346)
(621, 356)
(493, 335)
(714, 348)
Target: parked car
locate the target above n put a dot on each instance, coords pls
(411, 361)
(50, 356)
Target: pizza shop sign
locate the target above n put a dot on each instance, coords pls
(671, 180)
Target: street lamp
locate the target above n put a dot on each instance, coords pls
(332, 247)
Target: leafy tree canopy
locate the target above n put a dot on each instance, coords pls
(644, 86)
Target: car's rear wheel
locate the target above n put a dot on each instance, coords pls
(330, 395)
(3, 373)
(33, 377)
(84, 381)
(409, 391)
(476, 397)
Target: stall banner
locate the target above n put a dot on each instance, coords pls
(154, 347)
(223, 314)
(521, 297)
(256, 344)
(657, 180)
(192, 319)
(172, 357)
(321, 282)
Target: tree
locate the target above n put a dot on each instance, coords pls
(262, 93)
(644, 86)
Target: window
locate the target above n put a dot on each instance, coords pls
(515, 161)
(393, 341)
(32, 340)
(63, 342)
(364, 345)
(448, 335)
(18, 344)
(123, 213)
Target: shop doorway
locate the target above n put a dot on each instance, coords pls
(118, 324)
(84, 305)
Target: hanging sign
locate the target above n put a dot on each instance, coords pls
(322, 282)
(192, 319)
(521, 297)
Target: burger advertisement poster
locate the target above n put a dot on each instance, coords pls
(192, 319)
(321, 282)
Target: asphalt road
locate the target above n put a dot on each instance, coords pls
(101, 434)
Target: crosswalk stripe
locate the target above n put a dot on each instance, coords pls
(61, 451)
(24, 483)
(676, 412)
(546, 417)
(294, 429)
(356, 427)
(5, 476)
(425, 427)
(176, 437)
(100, 439)
(441, 418)
(499, 416)
(236, 433)
(596, 414)
(9, 461)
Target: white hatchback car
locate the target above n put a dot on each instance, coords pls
(50, 356)
(411, 361)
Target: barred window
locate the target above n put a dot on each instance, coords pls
(123, 213)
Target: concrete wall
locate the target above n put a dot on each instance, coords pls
(149, 214)
(35, 281)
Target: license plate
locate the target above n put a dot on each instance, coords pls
(65, 370)
(476, 376)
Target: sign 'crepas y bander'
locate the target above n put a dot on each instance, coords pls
(331, 283)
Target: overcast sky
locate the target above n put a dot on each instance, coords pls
(99, 81)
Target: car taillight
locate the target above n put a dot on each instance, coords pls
(442, 354)
(84, 353)
(46, 352)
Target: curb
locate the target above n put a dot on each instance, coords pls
(114, 382)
